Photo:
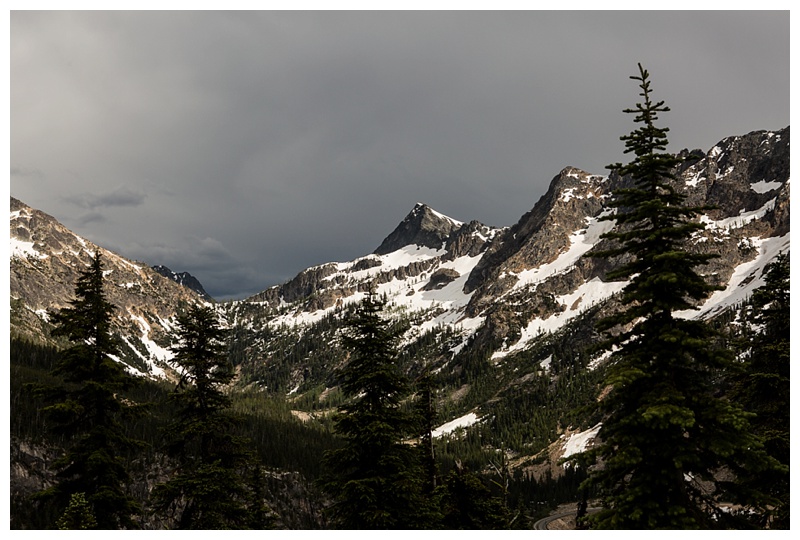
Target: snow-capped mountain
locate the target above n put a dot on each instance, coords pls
(501, 289)
(46, 259)
(500, 315)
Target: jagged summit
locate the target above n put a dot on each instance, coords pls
(183, 278)
(544, 232)
(423, 226)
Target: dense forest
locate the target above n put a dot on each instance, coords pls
(290, 452)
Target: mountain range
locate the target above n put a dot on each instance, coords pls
(501, 316)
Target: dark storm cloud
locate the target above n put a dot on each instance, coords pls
(246, 146)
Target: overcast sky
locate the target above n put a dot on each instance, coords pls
(243, 147)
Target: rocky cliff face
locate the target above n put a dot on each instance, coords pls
(543, 233)
(46, 259)
(538, 263)
(422, 227)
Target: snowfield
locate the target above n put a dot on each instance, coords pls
(23, 249)
(462, 422)
(577, 442)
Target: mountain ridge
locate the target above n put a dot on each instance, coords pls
(491, 311)
(532, 277)
(45, 260)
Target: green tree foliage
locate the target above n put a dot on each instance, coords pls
(375, 478)
(78, 514)
(764, 386)
(210, 488)
(667, 436)
(87, 408)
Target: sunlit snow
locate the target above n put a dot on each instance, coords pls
(577, 442)
(585, 296)
(745, 279)
(448, 218)
(154, 369)
(156, 350)
(576, 302)
(580, 242)
(21, 248)
(406, 293)
(741, 220)
(462, 422)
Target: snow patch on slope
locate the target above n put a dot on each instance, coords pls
(444, 217)
(581, 241)
(745, 279)
(409, 293)
(155, 350)
(585, 296)
(462, 422)
(765, 187)
(23, 249)
(577, 442)
(741, 220)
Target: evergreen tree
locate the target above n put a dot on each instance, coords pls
(425, 410)
(764, 386)
(374, 479)
(209, 490)
(424, 416)
(468, 504)
(666, 436)
(88, 409)
(78, 514)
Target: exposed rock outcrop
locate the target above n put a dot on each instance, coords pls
(422, 227)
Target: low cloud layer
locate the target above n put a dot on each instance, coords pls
(245, 146)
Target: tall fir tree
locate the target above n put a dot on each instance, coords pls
(763, 387)
(468, 504)
(210, 488)
(374, 478)
(667, 436)
(89, 409)
(78, 515)
(425, 420)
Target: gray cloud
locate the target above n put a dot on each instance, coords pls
(90, 218)
(295, 138)
(121, 196)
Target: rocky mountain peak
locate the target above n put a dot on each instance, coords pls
(423, 227)
(544, 232)
(183, 278)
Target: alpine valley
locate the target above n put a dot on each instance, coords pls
(502, 317)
